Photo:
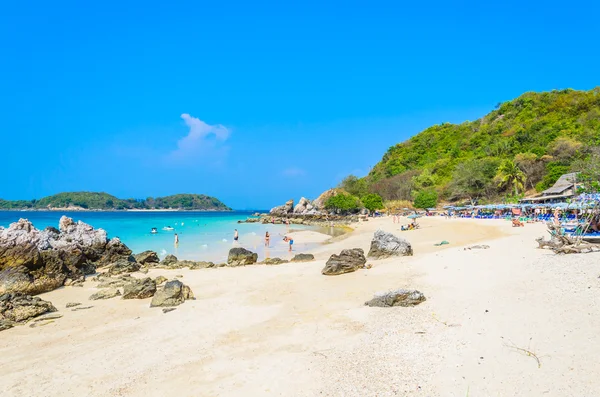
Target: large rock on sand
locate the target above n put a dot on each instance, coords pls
(33, 261)
(172, 294)
(147, 258)
(303, 258)
(18, 308)
(399, 297)
(385, 245)
(169, 260)
(304, 206)
(122, 266)
(241, 257)
(347, 261)
(139, 289)
(106, 293)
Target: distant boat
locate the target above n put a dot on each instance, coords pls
(168, 228)
(153, 231)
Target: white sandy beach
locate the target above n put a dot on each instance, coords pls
(287, 330)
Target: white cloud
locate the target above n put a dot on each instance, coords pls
(293, 172)
(201, 139)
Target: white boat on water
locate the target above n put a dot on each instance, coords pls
(167, 228)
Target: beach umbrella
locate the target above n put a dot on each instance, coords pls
(414, 216)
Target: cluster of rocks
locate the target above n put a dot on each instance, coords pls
(33, 261)
(295, 219)
(383, 245)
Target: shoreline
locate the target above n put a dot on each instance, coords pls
(288, 330)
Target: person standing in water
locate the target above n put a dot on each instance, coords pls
(267, 239)
(236, 236)
(176, 239)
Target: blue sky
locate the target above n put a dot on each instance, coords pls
(259, 102)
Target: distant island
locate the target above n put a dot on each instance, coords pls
(106, 202)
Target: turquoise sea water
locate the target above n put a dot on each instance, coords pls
(202, 235)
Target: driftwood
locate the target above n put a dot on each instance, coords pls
(562, 244)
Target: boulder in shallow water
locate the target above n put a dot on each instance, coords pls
(147, 258)
(349, 260)
(399, 297)
(241, 257)
(303, 258)
(173, 293)
(105, 294)
(139, 289)
(18, 307)
(385, 245)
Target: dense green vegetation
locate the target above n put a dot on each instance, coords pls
(426, 199)
(372, 201)
(524, 144)
(343, 202)
(104, 201)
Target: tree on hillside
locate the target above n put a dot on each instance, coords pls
(532, 165)
(509, 174)
(564, 149)
(343, 202)
(589, 170)
(354, 185)
(397, 187)
(426, 199)
(473, 179)
(372, 201)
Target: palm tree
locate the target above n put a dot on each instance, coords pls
(510, 174)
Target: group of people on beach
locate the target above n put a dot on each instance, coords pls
(287, 239)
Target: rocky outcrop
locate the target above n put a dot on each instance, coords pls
(273, 261)
(139, 289)
(304, 207)
(303, 258)
(349, 260)
(169, 260)
(122, 266)
(160, 279)
(385, 245)
(399, 297)
(283, 210)
(241, 257)
(17, 308)
(172, 294)
(105, 294)
(33, 261)
(202, 265)
(147, 258)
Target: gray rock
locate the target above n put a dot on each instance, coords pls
(399, 297)
(122, 266)
(139, 289)
(303, 258)
(33, 261)
(172, 294)
(478, 247)
(201, 265)
(274, 261)
(283, 210)
(72, 304)
(147, 258)
(5, 324)
(160, 279)
(241, 257)
(105, 294)
(169, 259)
(385, 245)
(18, 308)
(349, 260)
(81, 308)
(303, 207)
(168, 309)
(49, 316)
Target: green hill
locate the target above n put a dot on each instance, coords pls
(105, 201)
(534, 139)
